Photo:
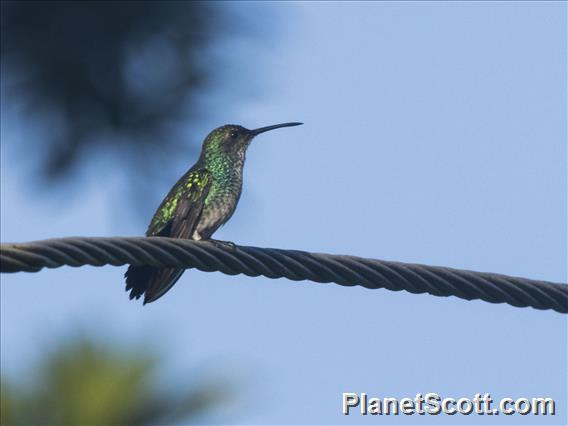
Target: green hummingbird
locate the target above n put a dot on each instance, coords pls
(202, 200)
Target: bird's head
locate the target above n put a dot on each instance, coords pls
(232, 140)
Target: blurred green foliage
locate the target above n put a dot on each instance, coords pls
(84, 383)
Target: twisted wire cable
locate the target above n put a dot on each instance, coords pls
(277, 263)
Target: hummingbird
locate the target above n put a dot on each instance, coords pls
(200, 202)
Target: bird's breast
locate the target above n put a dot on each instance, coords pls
(220, 203)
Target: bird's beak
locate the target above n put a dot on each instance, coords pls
(274, 126)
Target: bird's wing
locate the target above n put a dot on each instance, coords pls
(176, 217)
(179, 213)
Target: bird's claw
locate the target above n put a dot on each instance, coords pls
(224, 244)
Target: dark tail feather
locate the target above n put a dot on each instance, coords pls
(151, 282)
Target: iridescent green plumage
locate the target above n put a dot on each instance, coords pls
(198, 204)
(191, 187)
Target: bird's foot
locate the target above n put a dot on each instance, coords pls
(223, 244)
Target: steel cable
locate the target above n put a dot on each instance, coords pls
(276, 263)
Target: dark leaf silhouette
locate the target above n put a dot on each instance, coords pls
(109, 78)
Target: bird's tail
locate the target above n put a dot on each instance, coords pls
(150, 281)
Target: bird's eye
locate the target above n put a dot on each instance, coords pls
(233, 134)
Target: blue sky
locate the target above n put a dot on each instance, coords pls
(434, 133)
